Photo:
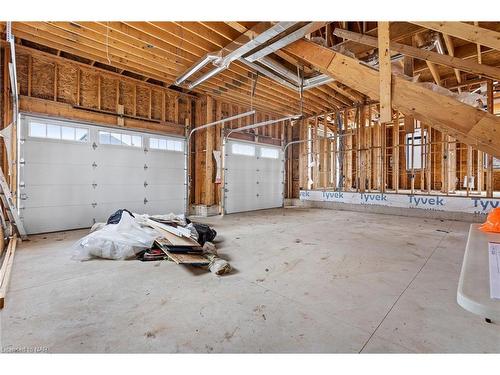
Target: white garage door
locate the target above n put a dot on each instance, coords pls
(74, 174)
(253, 176)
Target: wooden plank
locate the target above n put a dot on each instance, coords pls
(176, 240)
(489, 170)
(181, 258)
(463, 65)
(315, 153)
(450, 46)
(5, 277)
(385, 76)
(395, 154)
(465, 31)
(209, 159)
(470, 125)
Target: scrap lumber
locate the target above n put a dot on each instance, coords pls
(468, 66)
(179, 231)
(470, 125)
(165, 244)
(173, 239)
(6, 269)
(180, 258)
(178, 241)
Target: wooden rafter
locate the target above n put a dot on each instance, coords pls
(465, 31)
(470, 125)
(434, 57)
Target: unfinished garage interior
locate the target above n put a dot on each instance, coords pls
(250, 187)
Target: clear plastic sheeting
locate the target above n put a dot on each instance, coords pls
(473, 99)
(115, 241)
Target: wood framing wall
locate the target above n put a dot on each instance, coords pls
(374, 157)
(54, 86)
(204, 190)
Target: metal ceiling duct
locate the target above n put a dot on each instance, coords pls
(280, 69)
(251, 40)
(296, 35)
(321, 79)
(195, 67)
(247, 42)
(237, 50)
(277, 70)
(269, 74)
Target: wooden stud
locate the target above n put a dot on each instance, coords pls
(462, 121)
(489, 170)
(55, 82)
(209, 159)
(395, 154)
(30, 73)
(385, 76)
(99, 98)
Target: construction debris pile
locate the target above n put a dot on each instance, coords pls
(170, 237)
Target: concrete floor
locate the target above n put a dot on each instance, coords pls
(310, 280)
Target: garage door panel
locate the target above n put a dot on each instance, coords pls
(269, 165)
(155, 207)
(106, 193)
(50, 174)
(120, 156)
(165, 159)
(171, 191)
(119, 175)
(239, 204)
(57, 152)
(42, 219)
(173, 177)
(240, 162)
(252, 182)
(92, 180)
(42, 196)
(103, 211)
(241, 177)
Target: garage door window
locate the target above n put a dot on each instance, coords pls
(270, 153)
(120, 139)
(242, 149)
(62, 132)
(166, 144)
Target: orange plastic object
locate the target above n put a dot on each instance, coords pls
(492, 223)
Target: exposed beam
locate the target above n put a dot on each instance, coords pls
(465, 31)
(384, 55)
(470, 125)
(451, 51)
(478, 46)
(454, 62)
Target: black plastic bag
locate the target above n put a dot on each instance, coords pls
(116, 217)
(205, 233)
